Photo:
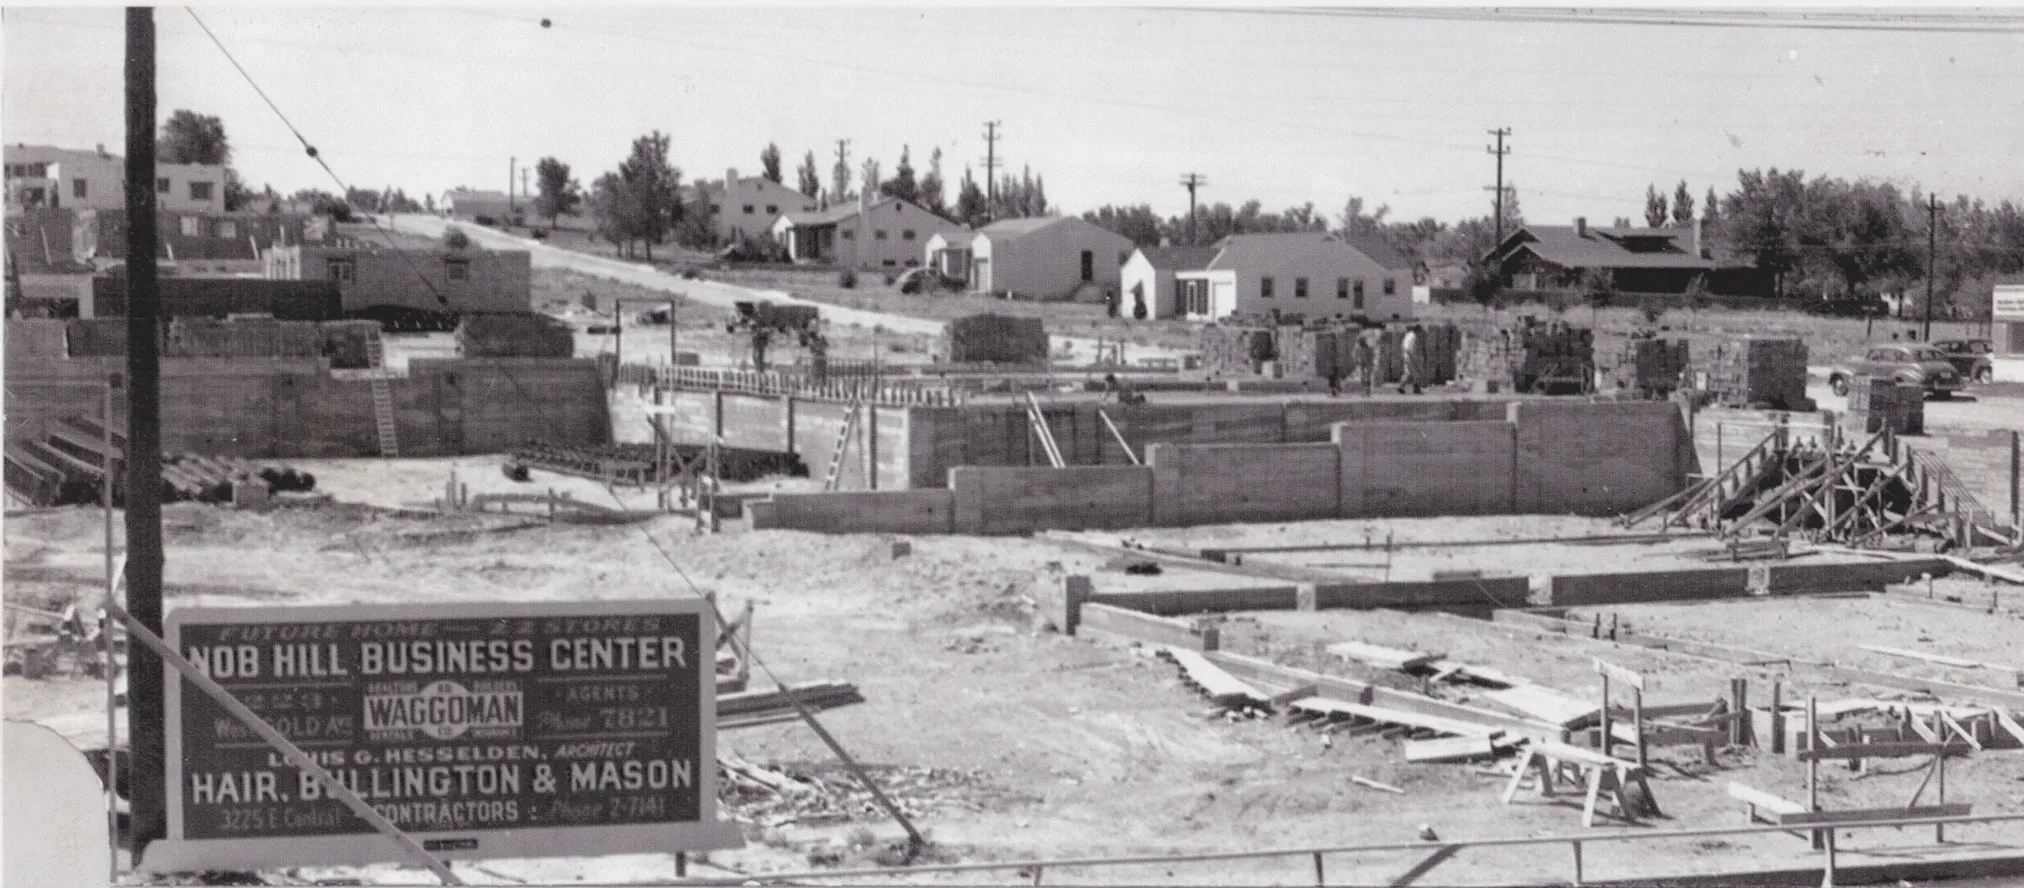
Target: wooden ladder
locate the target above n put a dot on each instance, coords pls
(382, 397)
(843, 437)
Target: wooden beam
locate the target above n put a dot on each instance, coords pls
(1880, 750)
(1618, 673)
(1857, 815)
(1382, 657)
(1758, 798)
(1940, 659)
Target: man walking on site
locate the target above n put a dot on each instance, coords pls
(1411, 347)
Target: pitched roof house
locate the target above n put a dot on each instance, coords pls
(1310, 273)
(887, 233)
(949, 253)
(1639, 260)
(748, 205)
(1048, 257)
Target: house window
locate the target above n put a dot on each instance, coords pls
(191, 226)
(1342, 288)
(341, 269)
(772, 210)
(457, 269)
(907, 234)
(1359, 294)
(1391, 286)
(200, 191)
(888, 263)
(748, 209)
(1265, 287)
(879, 234)
(228, 229)
(849, 234)
(80, 188)
(161, 186)
(1300, 288)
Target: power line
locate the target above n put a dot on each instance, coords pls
(1892, 22)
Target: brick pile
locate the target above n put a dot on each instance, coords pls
(1762, 370)
(514, 335)
(1657, 364)
(996, 339)
(1877, 403)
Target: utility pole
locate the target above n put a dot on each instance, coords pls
(1932, 260)
(1191, 182)
(991, 169)
(842, 163)
(511, 162)
(1500, 151)
(523, 182)
(146, 704)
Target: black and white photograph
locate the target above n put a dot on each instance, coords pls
(1028, 444)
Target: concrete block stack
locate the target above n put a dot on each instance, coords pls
(1657, 364)
(514, 335)
(1229, 350)
(996, 339)
(1555, 355)
(1878, 403)
(1762, 370)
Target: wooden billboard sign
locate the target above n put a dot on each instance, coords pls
(483, 730)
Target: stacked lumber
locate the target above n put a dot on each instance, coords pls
(206, 479)
(1879, 403)
(514, 335)
(750, 708)
(1382, 657)
(1761, 371)
(1224, 690)
(995, 339)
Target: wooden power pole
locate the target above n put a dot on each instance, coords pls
(991, 169)
(145, 690)
(1192, 181)
(1932, 260)
(1500, 151)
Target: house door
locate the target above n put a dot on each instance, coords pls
(1222, 298)
(1088, 266)
(981, 277)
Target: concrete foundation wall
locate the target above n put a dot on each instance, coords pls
(1647, 586)
(1795, 579)
(1597, 458)
(1427, 468)
(1201, 484)
(293, 408)
(882, 511)
(1466, 593)
(1008, 500)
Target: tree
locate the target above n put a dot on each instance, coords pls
(972, 207)
(1711, 212)
(769, 163)
(839, 191)
(811, 182)
(189, 137)
(559, 194)
(641, 201)
(931, 186)
(871, 182)
(902, 184)
(1138, 223)
(1357, 223)
(1655, 207)
(1683, 206)
(455, 238)
(1761, 220)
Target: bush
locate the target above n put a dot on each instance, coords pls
(537, 234)
(847, 279)
(486, 221)
(891, 278)
(456, 239)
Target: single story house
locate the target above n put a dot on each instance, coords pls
(883, 234)
(747, 206)
(465, 203)
(1148, 277)
(949, 253)
(1310, 273)
(1639, 260)
(1048, 257)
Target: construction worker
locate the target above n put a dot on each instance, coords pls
(1364, 360)
(1410, 346)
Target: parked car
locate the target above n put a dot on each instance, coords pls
(1970, 357)
(1911, 363)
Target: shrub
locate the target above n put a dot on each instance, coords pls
(891, 278)
(456, 239)
(847, 279)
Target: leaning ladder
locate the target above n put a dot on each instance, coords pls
(1037, 420)
(382, 397)
(843, 437)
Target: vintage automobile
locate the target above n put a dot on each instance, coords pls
(1912, 363)
(1970, 357)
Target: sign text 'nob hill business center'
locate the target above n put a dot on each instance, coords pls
(446, 724)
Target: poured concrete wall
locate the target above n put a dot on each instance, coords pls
(881, 511)
(1648, 586)
(1597, 458)
(1426, 468)
(1202, 484)
(1011, 500)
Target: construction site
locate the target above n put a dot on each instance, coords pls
(1244, 615)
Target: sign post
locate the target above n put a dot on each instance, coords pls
(488, 730)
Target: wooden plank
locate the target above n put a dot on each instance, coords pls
(1576, 754)
(1219, 686)
(1326, 706)
(1857, 815)
(1546, 704)
(1346, 688)
(1474, 673)
(2009, 725)
(1942, 660)
(1772, 803)
(1881, 750)
(1382, 657)
(1617, 673)
(1450, 749)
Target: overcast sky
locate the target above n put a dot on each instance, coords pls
(1111, 105)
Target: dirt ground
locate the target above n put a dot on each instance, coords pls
(1060, 746)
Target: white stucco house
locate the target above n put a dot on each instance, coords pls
(886, 234)
(1315, 274)
(1148, 276)
(1048, 257)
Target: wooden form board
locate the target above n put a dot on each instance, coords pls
(1546, 705)
(1323, 706)
(1219, 686)
(1802, 818)
(1382, 657)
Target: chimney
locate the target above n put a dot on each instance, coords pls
(101, 149)
(1581, 226)
(730, 178)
